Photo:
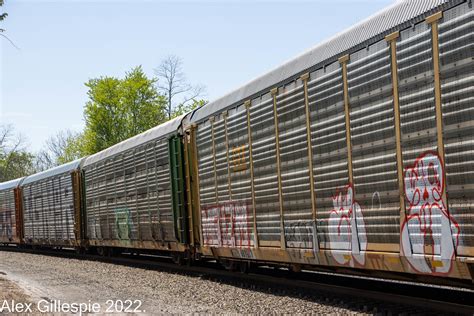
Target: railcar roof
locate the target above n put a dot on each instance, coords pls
(10, 184)
(395, 17)
(153, 133)
(68, 167)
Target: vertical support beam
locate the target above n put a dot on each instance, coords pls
(392, 40)
(18, 194)
(195, 180)
(227, 155)
(343, 61)
(76, 193)
(229, 188)
(187, 175)
(305, 79)
(211, 120)
(433, 21)
(252, 176)
(274, 93)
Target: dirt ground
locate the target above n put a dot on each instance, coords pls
(11, 291)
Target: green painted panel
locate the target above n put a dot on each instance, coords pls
(178, 190)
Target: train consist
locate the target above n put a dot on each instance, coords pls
(357, 156)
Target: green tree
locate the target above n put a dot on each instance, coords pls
(15, 161)
(120, 108)
(74, 149)
(187, 107)
(61, 148)
(2, 16)
(15, 165)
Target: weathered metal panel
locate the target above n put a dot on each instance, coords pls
(456, 36)
(326, 100)
(373, 146)
(383, 120)
(8, 221)
(48, 209)
(418, 133)
(240, 179)
(226, 204)
(11, 218)
(205, 151)
(128, 196)
(265, 171)
(297, 211)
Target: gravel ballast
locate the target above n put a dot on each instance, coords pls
(82, 281)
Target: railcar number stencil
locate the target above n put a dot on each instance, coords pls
(238, 158)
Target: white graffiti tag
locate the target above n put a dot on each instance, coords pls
(347, 234)
(426, 231)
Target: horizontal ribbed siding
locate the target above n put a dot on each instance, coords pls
(128, 197)
(48, 210)
(457, 87)
(7, 215)
(373, 145)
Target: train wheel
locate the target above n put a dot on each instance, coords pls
(80, 250)
(294, 268)
(178, 258)
(229, 264)
(244, 267)
(102, 251)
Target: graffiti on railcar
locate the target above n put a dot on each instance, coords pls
(299, 234)
(226, 225)
(6, 228)
(157, 230)
(376, 196)
(123, 223)
(428, 230)
(347, 236)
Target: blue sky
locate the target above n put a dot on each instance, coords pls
(223, 44)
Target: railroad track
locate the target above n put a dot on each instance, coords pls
(360, 294)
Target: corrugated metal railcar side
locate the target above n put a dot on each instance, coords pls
(456, 37)
(51, 207)
(129, 196)
(361, 160)
(10, 212)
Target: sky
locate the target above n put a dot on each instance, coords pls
(62, 44)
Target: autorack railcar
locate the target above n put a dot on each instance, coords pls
(10, 216)
(132, 193)
(356, 154)
(51, 207)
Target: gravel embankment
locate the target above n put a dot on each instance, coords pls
(78, 281)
